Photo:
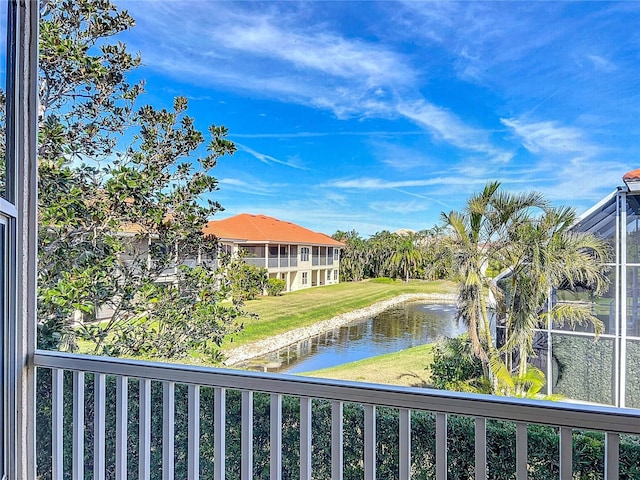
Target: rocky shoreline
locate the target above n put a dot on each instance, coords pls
(272, 344)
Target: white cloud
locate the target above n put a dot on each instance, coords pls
(250, 186)
(399, 207)
(543, 137)
(268, 159)
(365, 183)
(277, 51)
(448, 127)
(601, 64)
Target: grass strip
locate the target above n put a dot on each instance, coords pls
(410, 368)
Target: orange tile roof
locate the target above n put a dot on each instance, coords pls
(633, 175)
(260, 228)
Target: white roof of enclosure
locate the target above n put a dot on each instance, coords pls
(601, 218)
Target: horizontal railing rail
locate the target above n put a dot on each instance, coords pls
(564, 417)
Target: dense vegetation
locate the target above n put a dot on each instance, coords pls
(405, 255)
(543, 442)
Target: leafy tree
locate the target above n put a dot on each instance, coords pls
(437, 261)
(353, 257)
(121, 192)
(379, 249)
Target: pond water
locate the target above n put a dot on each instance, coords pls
(398, 328)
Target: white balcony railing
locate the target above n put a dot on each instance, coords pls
(158, 420)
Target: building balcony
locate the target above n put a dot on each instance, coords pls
(116, 418)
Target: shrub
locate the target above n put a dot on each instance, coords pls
(275, 286)
(454, 364)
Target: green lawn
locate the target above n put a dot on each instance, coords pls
(408, 368)
(303, 308)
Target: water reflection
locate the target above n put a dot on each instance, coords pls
(401, 327)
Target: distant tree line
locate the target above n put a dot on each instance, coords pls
(406, 255)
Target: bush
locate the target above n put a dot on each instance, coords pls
(383, 280)
(246, 281)
(275, 286)
(454, 364)
(543, 441)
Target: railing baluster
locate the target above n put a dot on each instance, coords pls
(521, 451)
(219, 429)
(305, 438)
(566, 453)
(441, 446)
(275, 453)
(612, 456)
(369, 442)
(481, 448)
(57, 378)
(78, 426)
(336, 440)
(122, 388)
(246, 468)
(144, 455)
(100, 392)
(168, 430)
(405, 444)
(193, 456)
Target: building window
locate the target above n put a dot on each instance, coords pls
(328, 275)
(336, 254)
(304, 254)
(305, 278)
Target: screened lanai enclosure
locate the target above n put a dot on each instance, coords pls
(606, 368)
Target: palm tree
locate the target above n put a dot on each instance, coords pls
(406, 258)
(544, 254)
(478, 236)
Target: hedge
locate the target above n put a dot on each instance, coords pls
(542, 441)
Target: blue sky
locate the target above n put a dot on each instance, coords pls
(381, 115)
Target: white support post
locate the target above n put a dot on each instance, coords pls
(57, 469)
(441, 446)
(405, 444)
(521, 451)
(99, 426)
(246, 467)
(612, 456)
(275, 448)
(566, 453)
(193, 455)
(219, 429)
(144, 454)
(369, 442)
(168, 430)
(78, 427)
(481, 448)
(122, 384)
(305, 438)
(337, 459)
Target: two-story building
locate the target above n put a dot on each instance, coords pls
(299, 256)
